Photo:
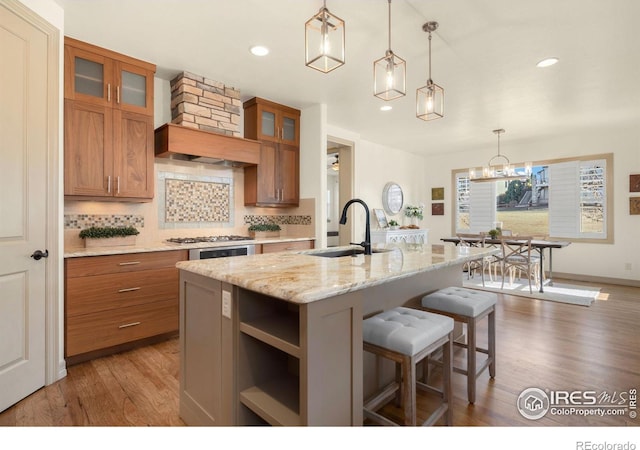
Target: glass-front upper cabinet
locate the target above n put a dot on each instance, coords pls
(290, 127)
(94, 75)
(274, 122)
(268, 126)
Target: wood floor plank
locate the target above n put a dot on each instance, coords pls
(539, 343)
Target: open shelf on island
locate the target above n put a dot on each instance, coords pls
(275, 401)
(280, 331)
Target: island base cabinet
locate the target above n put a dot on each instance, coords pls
(332, 370)
(251, 359)
(205, 360)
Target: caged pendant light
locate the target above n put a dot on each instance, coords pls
(389, 73)
(324, 41)
(430, 98)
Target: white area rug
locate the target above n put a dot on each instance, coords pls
(559, 292)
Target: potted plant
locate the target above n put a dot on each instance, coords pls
(393, 224)
(415, 213)
(494, 233)
(264, 230)
(109, 236)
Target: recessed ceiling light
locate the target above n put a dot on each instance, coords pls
(259, 50)
(386, 108)
(547, 62)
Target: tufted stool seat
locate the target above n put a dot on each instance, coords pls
(468, 306)
(407, 336)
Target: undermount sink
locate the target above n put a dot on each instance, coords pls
(344, 252)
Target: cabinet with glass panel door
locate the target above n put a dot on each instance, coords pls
(275, 181)
(108, 124)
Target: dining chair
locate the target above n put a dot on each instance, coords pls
(481, 264)
(517, 256)
(493, 262)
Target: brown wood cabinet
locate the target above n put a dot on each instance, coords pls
(108, 135)
(275, 181)
(119, 299)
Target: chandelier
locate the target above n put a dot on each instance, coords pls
(496, 172)
(324, 41)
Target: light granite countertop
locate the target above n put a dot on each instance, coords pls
(166, 246)
(301, 277)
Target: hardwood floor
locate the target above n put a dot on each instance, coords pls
(540, 344)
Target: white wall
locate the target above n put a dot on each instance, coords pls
(313, 161)
(374, 166)
(600, 260)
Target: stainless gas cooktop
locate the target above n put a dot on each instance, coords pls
(194, 240)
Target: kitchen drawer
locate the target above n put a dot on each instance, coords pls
(117, 290)
(285, 246)
(129, 262)
(108, 328)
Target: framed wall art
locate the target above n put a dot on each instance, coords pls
(437, 193)
(381, 218)
(634, 183)
(437, 209)
(634, 206)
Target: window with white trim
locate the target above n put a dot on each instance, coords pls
(563, 199)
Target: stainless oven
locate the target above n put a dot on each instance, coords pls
(221, 252)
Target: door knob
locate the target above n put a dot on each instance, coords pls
(39, 254)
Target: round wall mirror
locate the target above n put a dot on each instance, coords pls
(392, 198)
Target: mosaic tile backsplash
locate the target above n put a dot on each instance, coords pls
(196, 201)
(82, 221)
(279, 219)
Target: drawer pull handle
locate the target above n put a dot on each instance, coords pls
(127, 325)
(130, 263)
(129, 289)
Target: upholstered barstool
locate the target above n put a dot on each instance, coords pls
(407, 336)
(468, 306)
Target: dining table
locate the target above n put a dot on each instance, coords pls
(537, 244)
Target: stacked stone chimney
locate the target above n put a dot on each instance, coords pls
(198, 102)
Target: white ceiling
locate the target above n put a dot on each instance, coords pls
(484, 55)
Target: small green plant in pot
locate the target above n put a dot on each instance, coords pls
(393, 224)
(494, 233)
(109, 236)
(264, 230)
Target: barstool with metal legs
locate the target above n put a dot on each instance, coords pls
(468, 306)
(408, 336)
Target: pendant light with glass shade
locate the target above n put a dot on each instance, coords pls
(324, 41)
(430, 98)
(490, 172)
(389, 73)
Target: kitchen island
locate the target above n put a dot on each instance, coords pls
(277, 338)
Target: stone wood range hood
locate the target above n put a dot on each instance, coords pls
(205, 124)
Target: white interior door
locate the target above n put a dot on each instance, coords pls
(23, 206)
